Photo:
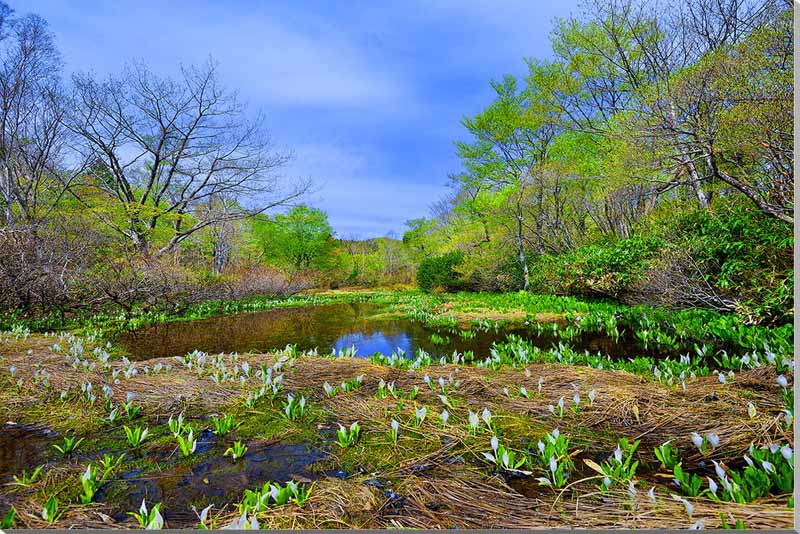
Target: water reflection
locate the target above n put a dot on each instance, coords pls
(366, 326)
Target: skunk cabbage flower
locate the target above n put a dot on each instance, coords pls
(487, 417)
(688, 505)
(473, 419)
(592, 396)
(768, 467)
(618, 455)
(445, 416)
(712, 486)
(751, 410)
(652, 494)
(713, 439)
(786, 452)
(782, 382)
(718, 468)
(697, 440)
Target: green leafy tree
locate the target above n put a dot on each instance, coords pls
(301, 239)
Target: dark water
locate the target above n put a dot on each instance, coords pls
(338, 326)
(213, 480)
(23, 447)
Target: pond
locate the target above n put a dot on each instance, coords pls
(371, 328)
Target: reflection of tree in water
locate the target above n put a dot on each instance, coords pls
(338, 326)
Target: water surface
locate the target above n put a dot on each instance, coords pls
(371, 328)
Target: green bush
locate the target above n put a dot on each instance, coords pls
(606, 268)
(438, 272)
(743, 253)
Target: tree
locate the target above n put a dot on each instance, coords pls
(663, 80)
(512, 139)
(32, 136)
(162, 151)
(301, 239)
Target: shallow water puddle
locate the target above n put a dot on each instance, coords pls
(23, 447)
(214, 480)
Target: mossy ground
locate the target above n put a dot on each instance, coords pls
(435, 475)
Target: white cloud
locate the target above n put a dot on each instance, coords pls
(358, 198)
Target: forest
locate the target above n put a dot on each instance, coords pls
(621, 216)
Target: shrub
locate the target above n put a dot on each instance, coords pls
(607, 268)
(438, 272)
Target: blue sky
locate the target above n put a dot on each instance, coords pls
(368, 95)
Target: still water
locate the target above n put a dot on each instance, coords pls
(337, 326)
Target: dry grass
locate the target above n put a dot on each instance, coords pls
(433, 478)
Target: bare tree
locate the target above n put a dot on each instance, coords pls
(164, 149)
(666, 69)
(31, 111)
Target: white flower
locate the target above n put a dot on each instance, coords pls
(495, 443)
(607, 482)
(445, 416)
(768, 467)
(697, 440)
(652, 494)
(473, 419)
(576, 399)
(487, 417)
(130, 396)
(712, 486)
(782, 382)
(592, 396)
(786, 452)
(523, 391)
(688, 505)
(713, 439)
(718, 468)
(700, 524)
(421, 413)
(751, 410)
(618, 455)
(553, 465)
(540, 446)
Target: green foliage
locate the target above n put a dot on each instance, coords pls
(8, 520)
(236, 451)
(69, 445)
(742, 253)
(301, 239)
(347, 437)
(439, 272)
(607, 268)
(668, 456)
